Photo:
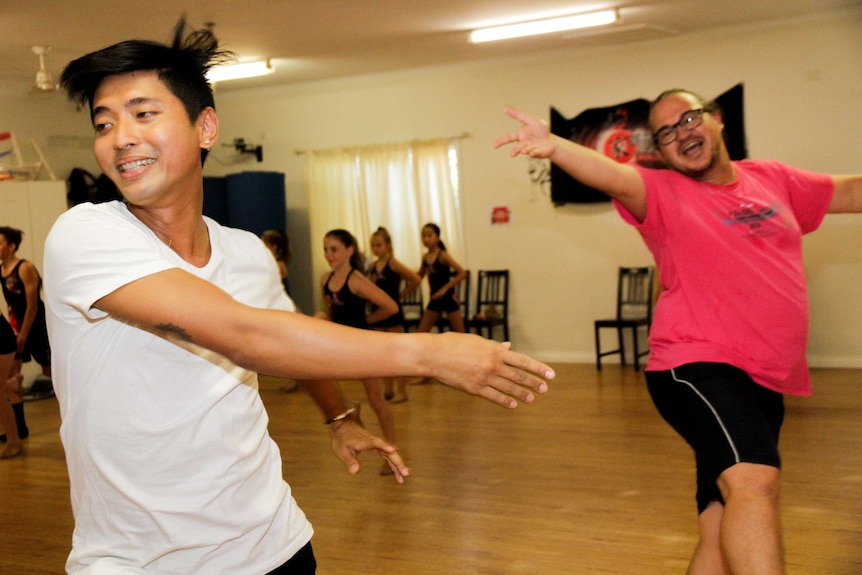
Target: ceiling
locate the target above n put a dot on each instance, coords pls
(318, 39)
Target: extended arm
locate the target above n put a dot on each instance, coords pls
(178, 304)
(847, 197)
(620, 181)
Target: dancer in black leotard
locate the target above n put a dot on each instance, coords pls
(438, 264)
(388, 273)
(347, 295)
(22, 285)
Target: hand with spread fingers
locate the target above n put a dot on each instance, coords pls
(489, 369)
(532, 139)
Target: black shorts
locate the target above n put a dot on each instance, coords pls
(723, 415)
(37, 346)
(448, 303)
(8, 341)
(302, 563)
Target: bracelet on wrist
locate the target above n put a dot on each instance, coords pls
(340, 416)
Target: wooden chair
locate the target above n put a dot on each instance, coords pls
(462, 292)
(413, 306)
(634, 311)
(492, 303)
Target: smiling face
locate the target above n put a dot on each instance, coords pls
(145, 141)
(336, 253)
(699, 153)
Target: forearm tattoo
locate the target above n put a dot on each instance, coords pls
(174, 330)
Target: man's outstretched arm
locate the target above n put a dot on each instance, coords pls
(847, 197)
(180, 305)
(620, 181)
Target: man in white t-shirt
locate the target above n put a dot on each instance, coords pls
(160, 320)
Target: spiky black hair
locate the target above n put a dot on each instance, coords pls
(182, 66)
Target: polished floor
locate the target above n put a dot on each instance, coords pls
(587, 480)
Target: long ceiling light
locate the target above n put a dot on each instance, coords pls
(545, 26)
(239, 71)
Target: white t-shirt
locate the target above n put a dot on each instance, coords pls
(171, 466)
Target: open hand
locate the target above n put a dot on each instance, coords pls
(532, 139)
(489, 369)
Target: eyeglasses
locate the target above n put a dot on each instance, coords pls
(688, 122)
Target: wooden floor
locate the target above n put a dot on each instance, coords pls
(587, 480)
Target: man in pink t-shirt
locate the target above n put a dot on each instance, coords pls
(731, 322)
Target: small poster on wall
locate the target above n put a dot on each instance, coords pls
(501, 215)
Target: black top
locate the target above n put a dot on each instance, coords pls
(389, 281)
(439, 275)
(346, 307)
(16, 297)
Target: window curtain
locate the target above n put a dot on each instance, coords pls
(398, 186)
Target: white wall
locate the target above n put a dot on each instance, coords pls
(62, 132)
(803, 88)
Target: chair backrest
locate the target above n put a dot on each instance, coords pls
(412, 304)
(492, 293)
(462, 291)
(635, 293)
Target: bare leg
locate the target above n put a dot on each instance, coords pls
(374, 392)
(13, 394)
(400, 395)
(750, 527)
(456, 321)
(7, 415)
(428, 320)
(15, 382)
(707, 558)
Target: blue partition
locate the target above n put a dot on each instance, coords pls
(256, 201)
(215, 199)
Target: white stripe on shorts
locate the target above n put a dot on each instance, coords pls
(714, 412)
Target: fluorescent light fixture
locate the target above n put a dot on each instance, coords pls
(239, 71)
(546, 26)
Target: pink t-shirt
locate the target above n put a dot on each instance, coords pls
(730, 267)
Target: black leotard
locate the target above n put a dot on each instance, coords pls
(390, 282)
(15, 293)
(346, 307)
(439, 275)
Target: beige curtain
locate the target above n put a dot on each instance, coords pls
(398, 186)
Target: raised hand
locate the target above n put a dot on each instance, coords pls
(532, 139)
